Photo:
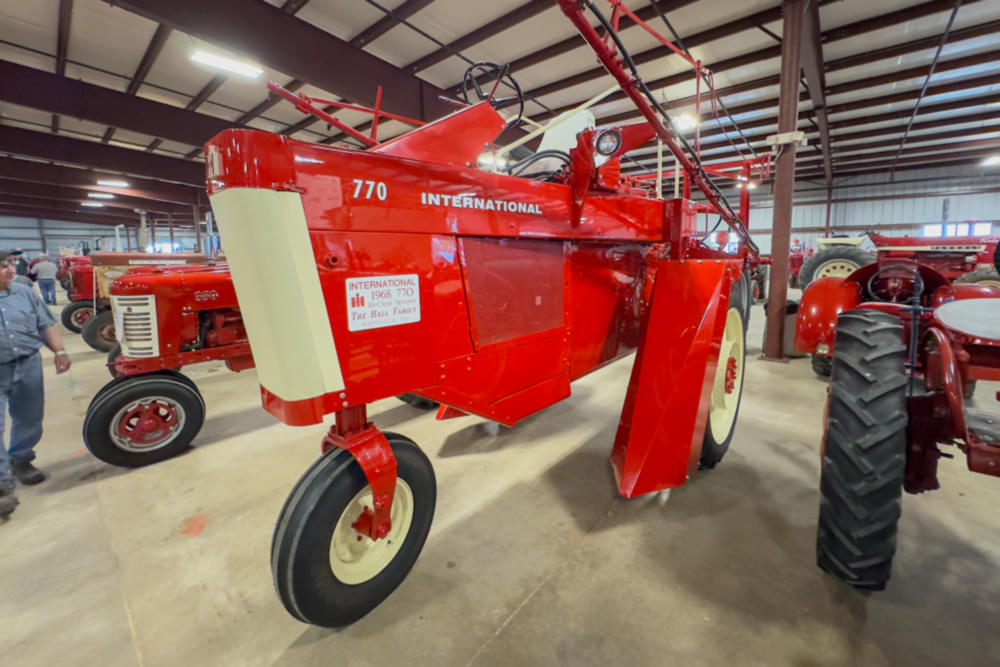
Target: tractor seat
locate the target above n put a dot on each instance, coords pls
(973, 317)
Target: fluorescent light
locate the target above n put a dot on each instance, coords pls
(751, 186)
(991, 161)
(685, 122)
(220, 62)
(92, 204)
(100, 195)
(113, 184)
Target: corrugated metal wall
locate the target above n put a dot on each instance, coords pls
(915, 198)
(25, 233)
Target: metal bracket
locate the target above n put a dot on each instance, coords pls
(785, 138)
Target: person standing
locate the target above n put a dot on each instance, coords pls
(45, 272)
(25, 325)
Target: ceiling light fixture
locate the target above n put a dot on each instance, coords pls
(992, 161)
(227, 64)
(92, 204)
(113, 184)
(685, 122)
(100, 195)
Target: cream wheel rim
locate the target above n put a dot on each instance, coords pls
(836, 268)
(356, 558)
(722, 409)
(989, 282)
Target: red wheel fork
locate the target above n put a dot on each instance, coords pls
(371, 450)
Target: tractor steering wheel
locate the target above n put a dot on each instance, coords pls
(497, 76)
(895, 283)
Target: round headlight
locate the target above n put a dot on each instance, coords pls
(608, 142)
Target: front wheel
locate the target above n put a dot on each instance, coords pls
(143, 419)
(327, 573)
(99, 331)
(76, 314)
(864, 456)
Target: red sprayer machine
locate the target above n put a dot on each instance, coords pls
(411, 267)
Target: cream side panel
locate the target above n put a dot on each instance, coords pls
(277, 284)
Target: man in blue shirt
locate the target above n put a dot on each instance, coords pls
(25, 325)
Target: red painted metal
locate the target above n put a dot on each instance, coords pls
(951, 256)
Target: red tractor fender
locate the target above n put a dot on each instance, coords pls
(954, 292)
(822, 301)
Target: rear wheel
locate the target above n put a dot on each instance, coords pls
(835, 262)
(99, 331)
(864, 455)
(987, 276)
(326, 572)
(76, 314)
(727, 386)
(143, 419)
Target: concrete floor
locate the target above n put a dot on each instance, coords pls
(533, 558)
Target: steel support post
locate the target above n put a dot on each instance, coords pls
(784, 181)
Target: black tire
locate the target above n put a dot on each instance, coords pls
(718, 434)
(99, 331)
(76, 314)
(988, 276)
(864, 455)
(102, 426)
(113, 354)
(821, 365)
(969, 390)
(418, 402)
(300, 549)
(844, 256)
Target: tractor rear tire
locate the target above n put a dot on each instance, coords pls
(864, 454)
(419, 402)
(836, 261)
(113, 429)
(986, 276)
(822, 366)
(724, 402)
(99, 331)
(76, 314)
(325, 572)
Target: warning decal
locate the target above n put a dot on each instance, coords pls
(382, 301)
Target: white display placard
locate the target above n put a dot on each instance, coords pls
(382, 301)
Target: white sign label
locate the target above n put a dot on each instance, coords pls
(382, 301)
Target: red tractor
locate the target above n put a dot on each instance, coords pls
(165, 319)
(906, 345)
(424, 265)
(963, 259)
(64, 264)
(88, 312)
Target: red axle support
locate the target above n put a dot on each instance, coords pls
(369, 447)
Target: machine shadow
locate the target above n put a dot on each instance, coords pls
(220, 427)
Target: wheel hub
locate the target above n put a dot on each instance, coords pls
(356, 558)
(731, 370)
(146, 425)
(836, 268)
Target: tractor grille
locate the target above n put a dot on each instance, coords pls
(135, 325)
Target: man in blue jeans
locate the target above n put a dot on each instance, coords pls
(44, 271)
(25, 325)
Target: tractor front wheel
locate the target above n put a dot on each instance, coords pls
(864, 455)
(143, 419)
(76, 314)
(326, 572)
(99, 331)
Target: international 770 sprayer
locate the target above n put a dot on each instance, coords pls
(427, 264)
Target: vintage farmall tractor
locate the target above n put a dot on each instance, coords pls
(64, 264)
(165, 319)
(80, 292)
(97, 327)
(963, 259)
(363, 274)
(906, 346)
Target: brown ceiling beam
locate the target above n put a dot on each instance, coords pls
(388, 22)
(51, 192)
(291, 45)
(86, 179)
(62, 46)
(149, 56)
(62, 215)
(100, 156)
(928, 161)
(812, 68)
(24, 202)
